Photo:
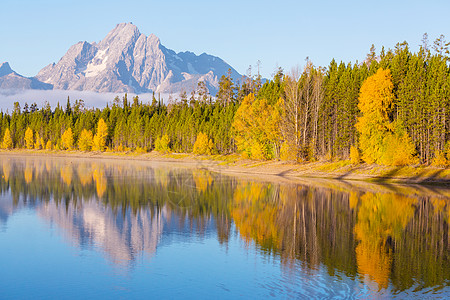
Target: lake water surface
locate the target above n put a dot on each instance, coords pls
(84, 229)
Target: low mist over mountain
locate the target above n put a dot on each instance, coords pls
(128, 61)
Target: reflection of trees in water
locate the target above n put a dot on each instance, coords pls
(295, 222)
(385, 237)
(381, 220)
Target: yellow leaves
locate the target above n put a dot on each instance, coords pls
(7, 140)
(258, 151)
(287, 151)
(376, 93)
(100, 137)
(380, 217)
(100, 182)
(203, 145)
(381, 141)
(355, 158)
(439, 159)
(85, 140)
(39, 144)
(256, 124)
(162, 144)
(48, 146)
(66, 174)
(29, 138)
(67, 139)
(399, 149)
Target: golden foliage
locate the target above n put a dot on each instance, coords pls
(39, 144)
(84, 174)
(254, 216)
(7, 140)
(398, 149)
(28, 173)
(381, 141)
(100, 182)
(439, 159)
(85, 140)
(29, 138)
(287, 151)
(101, 135)
(202, 144)
(140, 150)
(355, 157)
(381, 218)
(202, 179)
(162, 144)
(66, 174)
(256, 124)
(67, 139)
(258, 151)
(48, 146)
(6, 169)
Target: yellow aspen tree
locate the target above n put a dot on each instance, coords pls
(256, 124)
(39, 143)
(7, 140)
(162, 144)
(100, 136)
(201, 144)
(67, 139)
(29, 139)
(381, 141)
(85, 140)
(48, 146)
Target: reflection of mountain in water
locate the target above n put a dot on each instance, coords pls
(122, 237)
(389, 236)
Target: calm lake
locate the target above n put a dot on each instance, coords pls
(83, 229)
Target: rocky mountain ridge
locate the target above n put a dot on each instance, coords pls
(124, 61)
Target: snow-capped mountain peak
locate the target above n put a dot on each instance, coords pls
(129, 61)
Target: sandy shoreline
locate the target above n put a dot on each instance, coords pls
(342, 171)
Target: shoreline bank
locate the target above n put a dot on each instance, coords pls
(340, 170)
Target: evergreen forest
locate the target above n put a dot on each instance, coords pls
(391, 109)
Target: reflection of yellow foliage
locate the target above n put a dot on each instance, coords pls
(202, 179)
(381, 219)
(48, 166)
(353, 200)
(6, 169)
(66, 174)
(100, 182)
(439, 204)
(374, 261)
(162, 177)
(254, 216)
(84, 174)
(28, 174)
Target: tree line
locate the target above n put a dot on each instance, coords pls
(304, 115)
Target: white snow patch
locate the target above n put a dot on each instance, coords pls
(93, 70)
(177, 57)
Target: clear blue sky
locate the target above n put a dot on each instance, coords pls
(278, 33)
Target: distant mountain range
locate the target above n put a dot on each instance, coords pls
(124, 61)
